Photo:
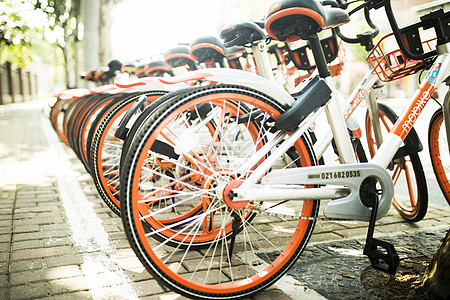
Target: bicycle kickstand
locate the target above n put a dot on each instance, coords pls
(387, 260)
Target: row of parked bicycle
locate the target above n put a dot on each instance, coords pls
(290, 66)
(217, 172)
(88, 119)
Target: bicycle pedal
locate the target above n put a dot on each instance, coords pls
(387, 260)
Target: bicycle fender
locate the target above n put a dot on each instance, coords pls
(218, 75)
(149, 84)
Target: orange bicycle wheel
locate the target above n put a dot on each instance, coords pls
(189, 153)
(106, 150)
(439, 153)
(411, 195)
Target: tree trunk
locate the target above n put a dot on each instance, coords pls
(436, 280)
(90, 12)
(104, 32)
(1, 78)
(68, 61)
(76, 4)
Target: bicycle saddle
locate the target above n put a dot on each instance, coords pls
(107, 75)
(114, 65)
(139, 71)
(179, 56)
(90, 75)
(292, 20)
(98, 74)
(208, 48)
(157, 69)
(234, 51)
(241, 34)
(128, 68)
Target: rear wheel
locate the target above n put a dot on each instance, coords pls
(439, 153)
(411, 195)
(106, 151)
(187, 156)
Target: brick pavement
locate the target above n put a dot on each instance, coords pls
(58, 240)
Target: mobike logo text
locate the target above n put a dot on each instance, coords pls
(421, 98)
(414, 111)
(355, 102)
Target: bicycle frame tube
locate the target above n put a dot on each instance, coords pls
(355, 100)
(339, 128)
(434, 77)
(278, 151)
(262, 61)
(372, 107)
(336, 121)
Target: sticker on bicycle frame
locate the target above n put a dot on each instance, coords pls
(433, 73)
(337, 174)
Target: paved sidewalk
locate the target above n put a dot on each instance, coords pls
(58, 239)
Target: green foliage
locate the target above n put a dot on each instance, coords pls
(15, 35)
(61, 15)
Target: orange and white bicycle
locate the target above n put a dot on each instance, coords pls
(220, 189)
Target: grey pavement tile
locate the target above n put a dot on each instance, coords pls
(59, 241)
(168, 296)
(26, 228)
(5, 238)
(41, 252)
(41, 219)
(78, 283)
(327, 236)
(40, 235)
(348, 233)
(3, 281)
(30, 244)
(55, 226)
(4, 247)
(327, 227)
(25, 265)
(44, 275)
(5, 222)
(28, 291)
(6, 209)
(270, 294)
(64, 260)
(5, 230)
(148, 287)
(36, 209)
(84, 295)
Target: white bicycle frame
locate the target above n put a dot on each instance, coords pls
(348, 206)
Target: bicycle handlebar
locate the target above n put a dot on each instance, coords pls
(398, 36)
(365, 38)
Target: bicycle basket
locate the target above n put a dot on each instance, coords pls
(393, 64)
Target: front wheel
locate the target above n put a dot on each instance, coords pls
(439, 154)
(187, 156)
(411, 195)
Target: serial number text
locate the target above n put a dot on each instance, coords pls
(338, 174)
